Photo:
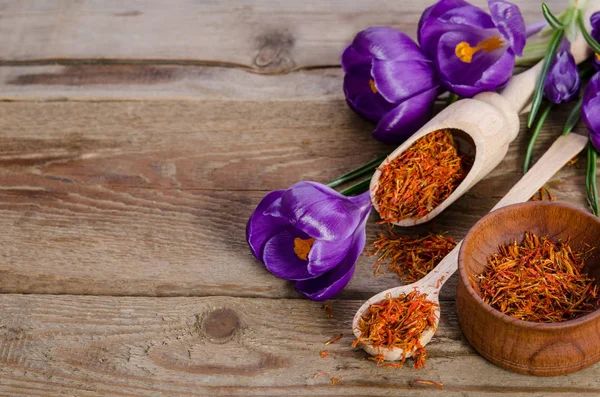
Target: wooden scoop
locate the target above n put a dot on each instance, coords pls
(485, 124)
(563, 150)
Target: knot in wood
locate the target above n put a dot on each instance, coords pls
(274, 51)
(219, 325)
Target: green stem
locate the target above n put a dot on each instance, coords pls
(553, 21)
(590, 40)
(358, 172)
(534, 136)
(548, 61)
(451, 99)
(358, 188)
(574, 117)
(593, 182)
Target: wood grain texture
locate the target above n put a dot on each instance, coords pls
(269, 36)
(164, 82)
(152, 198)
(108, 346)
(531, 348)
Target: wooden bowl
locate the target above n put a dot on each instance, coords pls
(543, 349)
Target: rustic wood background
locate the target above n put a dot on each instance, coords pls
(135, 140)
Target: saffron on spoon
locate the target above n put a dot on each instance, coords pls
(398, 322)
(421, 178)
(538, 280)
(411, 258)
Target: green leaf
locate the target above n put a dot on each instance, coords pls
(588, 38)
(358, 172)
(553, 21)
(534, 136)
(539, 88)
(358, 188)
(574, 117)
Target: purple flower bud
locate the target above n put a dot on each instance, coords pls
(389, 81)
(563, 81)
(590, 109)
(595, 22)
(311, 234)
(473, 51)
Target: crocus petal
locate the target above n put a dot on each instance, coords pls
(320, 211)
(261, 226)
(280, 259)
(535, 27)
(563, 81)
(450, 15)
(387, 44)
(397, 81)
(406, 118)
(509, 21)
(487, 71)
(325, 255)
(350, 58)
(331, 283)
(360, 96)
(590, 109)
(595, 22)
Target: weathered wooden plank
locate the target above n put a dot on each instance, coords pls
(270, 36)
(151, 198)
(92, 346)
(164, 82)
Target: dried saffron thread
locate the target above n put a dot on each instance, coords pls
(398, 322)
(336, 380)
(538, 280)
(334, 339)
(328, 310)
(539, 195)
(411, 258)
(324, 353)
(417, 181)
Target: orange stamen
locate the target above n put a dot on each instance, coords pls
(465, 52)
(302, 247)
(372, 85)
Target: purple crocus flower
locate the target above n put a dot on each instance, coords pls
(563, 81)
(590, 109)
(595, 22)
(473, 51)
(389, 81)
(311, 234)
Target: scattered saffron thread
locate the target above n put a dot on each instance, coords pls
(539, 195)
(398, 322)
(334, 339)
(410, 258)
(320, 374)
(538, 280)
(336, 380)
(328, 310)
(439, 385)
(417, 181)
(324, 353)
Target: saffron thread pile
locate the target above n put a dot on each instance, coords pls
(398, 322)
(417, 181)
(539, 280)
(411, 258)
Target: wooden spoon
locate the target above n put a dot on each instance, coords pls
(561, 151)
(485, 124)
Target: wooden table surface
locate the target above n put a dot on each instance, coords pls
(135, 140)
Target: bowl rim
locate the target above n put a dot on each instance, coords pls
(498, 314)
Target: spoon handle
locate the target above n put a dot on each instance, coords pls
(562, 150)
